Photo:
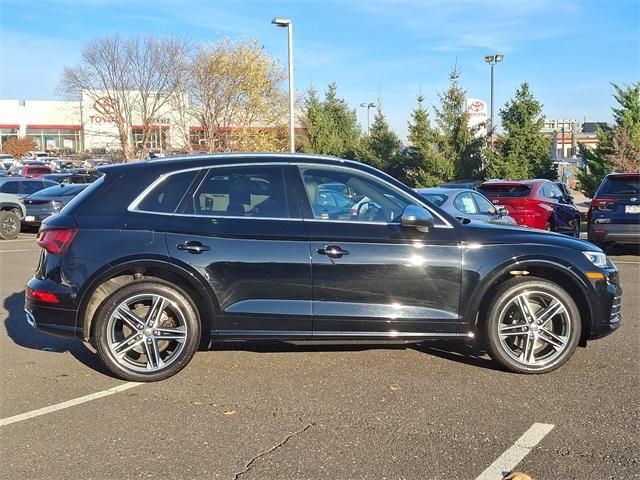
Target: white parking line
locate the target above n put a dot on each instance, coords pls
(506, 462)
(20, 240)
(69, 403)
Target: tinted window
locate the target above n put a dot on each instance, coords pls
(251, 191)
(464, 203)
(501, 190)
(32, 187)
(620, 185)
(437, 199)
(378, 202)
(484, 206)
(166, 196)
(35, 170)
(10, 187)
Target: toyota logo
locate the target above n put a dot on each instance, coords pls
(476, 106)
(104, 106)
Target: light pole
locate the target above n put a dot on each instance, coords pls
(286, 22)
(368, 106)
(492, 60)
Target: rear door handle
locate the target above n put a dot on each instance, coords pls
(333, 251)
(192, 246)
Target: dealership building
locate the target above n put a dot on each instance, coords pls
(87, 125)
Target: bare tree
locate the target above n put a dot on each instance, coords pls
(130, 80)
(236, 92)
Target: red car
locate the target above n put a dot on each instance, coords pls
(535, 203)
(31, 171)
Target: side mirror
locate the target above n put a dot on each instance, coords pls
(417, 217)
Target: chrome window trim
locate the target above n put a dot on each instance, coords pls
(133, 206)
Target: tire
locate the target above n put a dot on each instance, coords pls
(9, 225)
(524, 343)
(165, 344)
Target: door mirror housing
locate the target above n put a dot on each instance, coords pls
(417, 217)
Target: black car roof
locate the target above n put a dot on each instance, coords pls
(198, 160)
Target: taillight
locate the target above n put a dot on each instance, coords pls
(603, 203)
(56, 241)
(46, 297)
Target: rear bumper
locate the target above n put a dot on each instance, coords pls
(54, 318)
(614, 233)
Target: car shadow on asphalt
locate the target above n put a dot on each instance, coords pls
(459, 352)
(26, 336)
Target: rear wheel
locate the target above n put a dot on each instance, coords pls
(9, 225)
(532, 326)
(146, 331)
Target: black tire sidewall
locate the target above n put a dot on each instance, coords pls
(506, 292)
(171, 292)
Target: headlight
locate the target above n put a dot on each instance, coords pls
(599, 259)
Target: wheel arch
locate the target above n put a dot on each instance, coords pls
(552, 271)
(113, 277)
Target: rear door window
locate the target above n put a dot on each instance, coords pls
(484, 206)
(242, 191)
(31, 187)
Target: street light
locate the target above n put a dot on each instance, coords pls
(286, 22)
(492, 60)
(368, 106)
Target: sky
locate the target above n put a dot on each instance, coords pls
(388, 50)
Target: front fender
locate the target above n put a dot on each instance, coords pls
(479, 279)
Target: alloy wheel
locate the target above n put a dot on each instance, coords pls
(146, 332)
(534, 328)
(9, 225)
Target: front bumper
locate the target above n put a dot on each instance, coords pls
(627, 234)
(606, 305)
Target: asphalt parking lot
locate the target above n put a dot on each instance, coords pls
(276, 411)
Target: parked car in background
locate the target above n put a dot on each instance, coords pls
(21, 187)
(32, 171)
(12, 211)
(465, 203)
(49, 201)
(66, 178)
(566, 191)
(6, 161)
(59, 164)
(332, 204)
(6, 165)
(36, 155)
(469, 184)
(534, 203)
(157, 256)
(614, 214)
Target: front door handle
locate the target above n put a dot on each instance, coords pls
(333, 251)
(192, 246)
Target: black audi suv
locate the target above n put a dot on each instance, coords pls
(155, 259)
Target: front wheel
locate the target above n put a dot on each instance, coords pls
(146, 331)
(532, 326)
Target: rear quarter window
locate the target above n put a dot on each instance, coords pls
(166, 196)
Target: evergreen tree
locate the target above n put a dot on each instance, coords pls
(331, 127)
(418, 164)
(618, 147)
(523, 151)
(459, 146)
(382, 146)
